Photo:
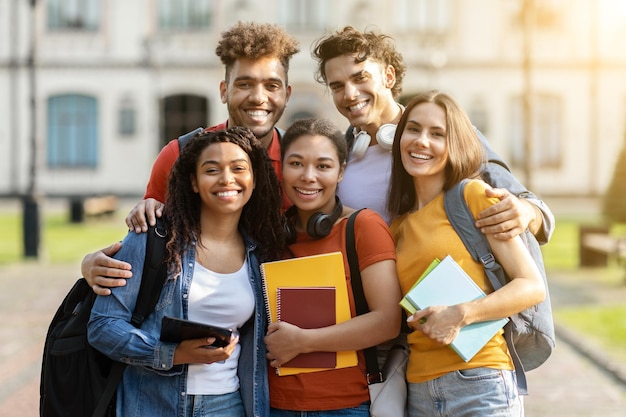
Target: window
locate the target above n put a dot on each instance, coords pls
(546, 134)
(126, 117)
(73, 14)
(185, 14)
(307, 15)
(72, 131)
(425, 16)
(127, 121)
(181, 114)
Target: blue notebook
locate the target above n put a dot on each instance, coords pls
(446, 283)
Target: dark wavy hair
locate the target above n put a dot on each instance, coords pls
(315, 126)
(465, 151)
(256, 40)
(367, 44)
(260, 218)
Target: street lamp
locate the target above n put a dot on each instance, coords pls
(528, 16)
(31, 220)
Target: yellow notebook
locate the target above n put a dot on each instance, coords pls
(324, 270)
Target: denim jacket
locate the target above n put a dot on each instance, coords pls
(153, 386)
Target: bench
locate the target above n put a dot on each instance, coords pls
(94, 206)
(597, 246)
(102, 205)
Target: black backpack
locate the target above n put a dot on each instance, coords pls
(530, 333)
(76, 379)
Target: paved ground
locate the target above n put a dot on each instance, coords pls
(569, 384)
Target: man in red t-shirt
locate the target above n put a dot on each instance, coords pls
(255, 90)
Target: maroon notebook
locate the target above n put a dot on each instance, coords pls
(308, 308)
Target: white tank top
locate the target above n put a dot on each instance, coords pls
(224, 300)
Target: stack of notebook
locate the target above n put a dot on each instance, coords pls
(309, 292)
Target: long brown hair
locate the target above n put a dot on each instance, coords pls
(465, 151)
(260, 218)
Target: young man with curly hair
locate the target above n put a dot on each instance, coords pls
(364, 73)
(255, 90)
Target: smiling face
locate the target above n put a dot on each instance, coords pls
(223, 179)
(311, 172)
(256, 94)
(423, 143)
(362, 91)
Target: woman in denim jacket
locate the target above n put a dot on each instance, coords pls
(223, 198)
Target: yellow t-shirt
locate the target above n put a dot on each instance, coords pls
(420, 237)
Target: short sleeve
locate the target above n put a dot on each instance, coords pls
(373, 239)
(157, 184)
(476, 198)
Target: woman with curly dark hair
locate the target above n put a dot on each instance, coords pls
(260, 216)
(223, 219)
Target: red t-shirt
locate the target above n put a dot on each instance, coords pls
(157, 184)
(346, 387)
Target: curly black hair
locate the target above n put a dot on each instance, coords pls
(256, 40)
(261, 215)
(367, 44)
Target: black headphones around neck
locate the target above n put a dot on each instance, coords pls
(318, 226)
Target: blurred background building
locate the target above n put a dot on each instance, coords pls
(92, 89)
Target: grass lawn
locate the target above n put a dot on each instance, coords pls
(605, 326)
(61, 241)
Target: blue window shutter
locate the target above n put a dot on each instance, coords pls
(72, 131)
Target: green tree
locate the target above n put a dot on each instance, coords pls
(614, 201)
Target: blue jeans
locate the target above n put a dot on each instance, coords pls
(224, 405)
(468, 393)
(362, 410)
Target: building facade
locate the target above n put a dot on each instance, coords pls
(92, 89)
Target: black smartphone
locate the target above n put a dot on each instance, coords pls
(176, 330)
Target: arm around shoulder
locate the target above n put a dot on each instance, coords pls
(497, 174)
(102, 271)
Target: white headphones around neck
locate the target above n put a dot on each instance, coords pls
(362, 139)
(384, 137)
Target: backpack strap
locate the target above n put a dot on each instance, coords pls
(154, 273)
(281, 134)
(153, 278)
(374, 375)
(183, 139)
(462, 220)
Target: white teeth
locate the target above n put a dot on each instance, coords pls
(227, 193)
(420, 156)
(258, 113)
(358, 106)
(307, 192)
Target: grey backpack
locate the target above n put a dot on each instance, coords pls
(530, 333)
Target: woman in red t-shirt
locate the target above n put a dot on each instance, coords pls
(314, 158)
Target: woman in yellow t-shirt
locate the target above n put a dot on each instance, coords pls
(435, 147)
